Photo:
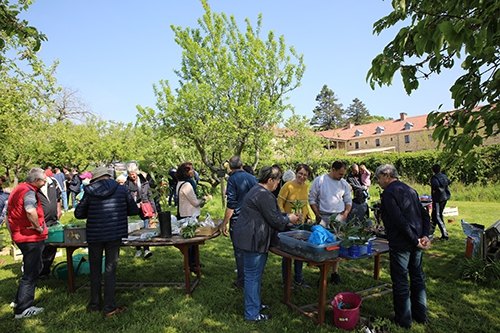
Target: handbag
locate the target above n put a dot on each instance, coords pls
(147, 209)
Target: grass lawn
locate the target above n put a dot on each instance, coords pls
(454, 305)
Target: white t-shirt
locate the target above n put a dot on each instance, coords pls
(331, 196)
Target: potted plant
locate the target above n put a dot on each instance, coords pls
(355, 236)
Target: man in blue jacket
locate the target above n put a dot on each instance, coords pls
(407, 224)
(238, 185)
(106, 206)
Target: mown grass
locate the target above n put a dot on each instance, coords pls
(455, 305)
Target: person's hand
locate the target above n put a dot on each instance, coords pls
(37, 228)
(424, 243)
(224, 229)
(293, 218)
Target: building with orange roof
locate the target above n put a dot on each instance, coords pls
(406, 134)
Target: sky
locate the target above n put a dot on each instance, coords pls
(113, 51)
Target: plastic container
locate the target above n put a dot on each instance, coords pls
(346, 319)
(75, 235)
(55, 236)
(295, 242)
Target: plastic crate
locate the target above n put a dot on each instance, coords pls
(75, 235)
(55, 236)
(295, 242)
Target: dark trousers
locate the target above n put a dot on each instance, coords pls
(48, 256)
(410, 302)
(112, 251)
(238, 256)
(437, 217)
(32, 261)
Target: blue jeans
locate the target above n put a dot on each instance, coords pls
(297, 268)
(112, 251)
(238, 256)
(254, 263)
(32, 259)
(409, 302)
(64, 198)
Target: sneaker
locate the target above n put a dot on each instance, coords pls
(443, 238)
(31, 311)
(335, 278)
(260, 317)
(147, 254)
(291, 286)
(138, 254)
(301, 283)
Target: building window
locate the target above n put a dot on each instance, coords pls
(392, 139)
(408, 126)
(358, 132)
(377, 142)
(407, 139)
(356, 145)
(366, 142)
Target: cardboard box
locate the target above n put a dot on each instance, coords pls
(208, 231)
(74, 235)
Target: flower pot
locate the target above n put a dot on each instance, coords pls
(165, 224)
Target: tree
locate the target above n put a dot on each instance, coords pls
(16, 33)
(327, 114)
(298, 142)
(357, 113)
(23, 101)
(69, 105)
(439, 34)
(232, 89)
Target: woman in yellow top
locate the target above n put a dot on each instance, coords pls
(292, 191)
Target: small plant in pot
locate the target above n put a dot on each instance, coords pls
(354, 232)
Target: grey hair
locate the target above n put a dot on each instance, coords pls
(34, 174)
(268, 172)
(387, 168)
(132, 167)
(235, 162)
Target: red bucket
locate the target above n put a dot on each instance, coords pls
(346, 318)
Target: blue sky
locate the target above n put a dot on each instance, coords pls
(114, 51)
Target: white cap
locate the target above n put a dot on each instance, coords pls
(288, 176)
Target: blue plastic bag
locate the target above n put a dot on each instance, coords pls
(320, 236)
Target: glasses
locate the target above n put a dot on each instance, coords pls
(43, 180)
(302, 174)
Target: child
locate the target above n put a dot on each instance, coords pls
(365, 179)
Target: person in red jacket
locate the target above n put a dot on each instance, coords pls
(29, 232)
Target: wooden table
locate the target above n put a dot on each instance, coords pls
(182, 244)
(380, 246)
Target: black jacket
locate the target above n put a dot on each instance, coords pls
(49, 202)
(74, 183)
(404, 217)
(106, 205)
(439, 187)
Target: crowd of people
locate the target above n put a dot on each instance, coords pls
(257, 208)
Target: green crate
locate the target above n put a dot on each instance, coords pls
(55, 235)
